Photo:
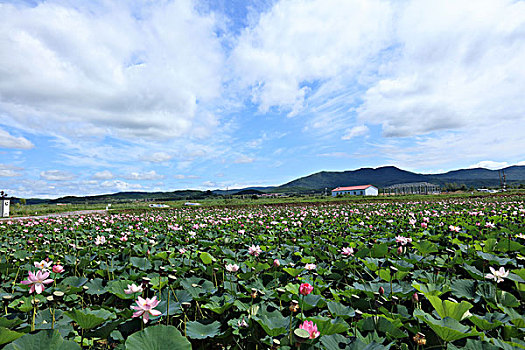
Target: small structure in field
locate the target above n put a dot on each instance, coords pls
(362, 190)
(412, 188)
(159, 206)
(4, 205)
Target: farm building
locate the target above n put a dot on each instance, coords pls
(412, 188)
(362, 190)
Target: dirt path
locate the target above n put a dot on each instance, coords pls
(54, 215)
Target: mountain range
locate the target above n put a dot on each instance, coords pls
(390, 175)
(316, 183)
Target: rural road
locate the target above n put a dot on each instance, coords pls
(54, 215)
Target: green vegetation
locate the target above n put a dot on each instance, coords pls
(362, 274)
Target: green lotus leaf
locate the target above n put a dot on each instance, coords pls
(292, 271)
(338, 342)
(158, 338)
(382, 324)
(140, 263)
(74, 283)
(425, 247)
(473, 344)
(273, 322)
(328, 326)
(10, 322)
(339, 310)
(507, 299)
(95, 287)
(379, 250)
(218, 304)
(447, 308)
(489, 321)
(493, 259)
(197, 287)
(505, 245)
(473, 272)
(43, 340)
(7, 335)
(448, 329)
(206, 258)
(117, 288)
(464, 289)
(88, 319)
(198, 330)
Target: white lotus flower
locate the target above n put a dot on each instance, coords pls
(497, 275)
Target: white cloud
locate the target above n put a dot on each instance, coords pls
(336, 155)
(243, 159)
(57, 175)
(182, 176)
(158, 157)
(103, 175)
(9, 141)
(209, 184)
(120, 185)
(458, 65)
(489, 164)
(299, 42)
(148, 175)
(110, 68)
(8, 171)
(356, 131)
(454, 149)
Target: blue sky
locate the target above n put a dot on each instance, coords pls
(100, 97)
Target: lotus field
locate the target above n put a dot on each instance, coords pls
(418, 275)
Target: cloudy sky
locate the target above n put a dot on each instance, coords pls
(106, 96)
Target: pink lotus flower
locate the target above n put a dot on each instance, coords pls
(254, 250)
(424, 225)
(37, 281)
(58, 269)
(347, 251)
(132, 288)
(310, 267)
(145, 308)
(100, 240)
(311, 328)
(454, 228)
(305, 288)
(43, 265)
(403, 240)
(276, 263)
(232, 267)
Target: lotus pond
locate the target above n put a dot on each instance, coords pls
(420, 275)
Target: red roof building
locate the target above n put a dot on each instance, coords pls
(361, 190)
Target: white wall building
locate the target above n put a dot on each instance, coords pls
(362, 190)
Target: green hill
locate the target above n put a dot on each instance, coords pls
(390, 175)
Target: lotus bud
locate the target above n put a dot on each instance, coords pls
(415, 297)
(381, 290)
